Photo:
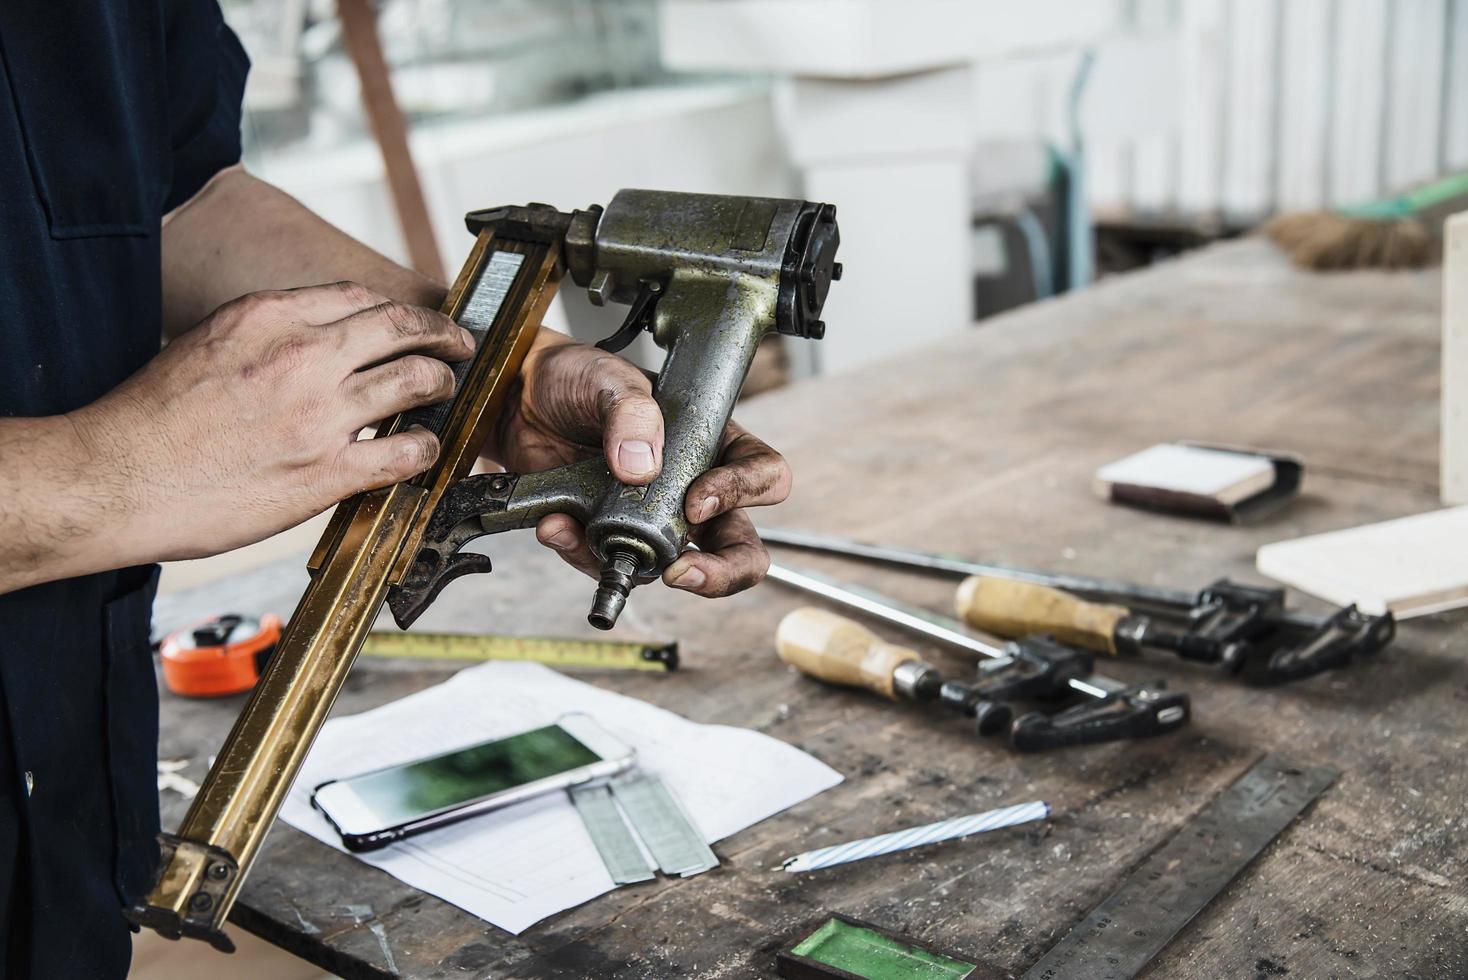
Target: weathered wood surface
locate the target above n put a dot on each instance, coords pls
(986, 446)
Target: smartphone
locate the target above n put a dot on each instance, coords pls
(374, 809)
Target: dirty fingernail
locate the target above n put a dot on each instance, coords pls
(690, 578)
(706, 509)
(635, 456)
(562, 540)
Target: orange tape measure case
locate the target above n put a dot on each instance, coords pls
(220, 656)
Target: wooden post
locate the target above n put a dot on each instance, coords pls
(1455, 361)
(359, 34)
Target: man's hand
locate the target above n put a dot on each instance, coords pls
(248, 423)
(576, 401)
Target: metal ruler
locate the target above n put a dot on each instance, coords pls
(551, 651)
(1161, 896)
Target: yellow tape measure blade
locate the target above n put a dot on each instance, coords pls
(568, 652)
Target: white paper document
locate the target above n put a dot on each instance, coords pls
(516, 866)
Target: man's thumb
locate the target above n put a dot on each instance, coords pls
(632, 423)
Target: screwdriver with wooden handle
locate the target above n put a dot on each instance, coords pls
(1031, 667)
(1008, 607)
(837, 650)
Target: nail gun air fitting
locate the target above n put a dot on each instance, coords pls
(710, 275)
(1243, 628)
(1030, 668)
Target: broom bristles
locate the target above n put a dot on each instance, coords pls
(1326, 240)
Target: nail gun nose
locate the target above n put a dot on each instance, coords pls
(611, 592)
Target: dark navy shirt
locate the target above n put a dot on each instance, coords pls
(112, 112)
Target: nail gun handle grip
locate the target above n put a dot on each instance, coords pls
(834, 649)
(1009, 608)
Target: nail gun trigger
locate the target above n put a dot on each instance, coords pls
(455, 523)
(639, 316)
(425, 581)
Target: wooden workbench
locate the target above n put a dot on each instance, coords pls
(986, 446)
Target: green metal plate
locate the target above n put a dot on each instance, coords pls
(859, 951)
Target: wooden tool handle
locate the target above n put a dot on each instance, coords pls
(832, 648)
(1010, 608)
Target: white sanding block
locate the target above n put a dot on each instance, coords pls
(1206, 481)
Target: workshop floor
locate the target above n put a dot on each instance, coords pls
(155, 958)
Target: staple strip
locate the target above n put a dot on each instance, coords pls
(608, 831)
(664, 826)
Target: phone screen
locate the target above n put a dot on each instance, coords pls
(398, 795)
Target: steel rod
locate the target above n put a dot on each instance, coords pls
(1153, 599)
(935, 627)
(1099, 588)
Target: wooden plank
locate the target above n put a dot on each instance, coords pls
(359, 34)
(1408, 566)
(985, 445)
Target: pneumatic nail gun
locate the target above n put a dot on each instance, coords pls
(709, 275)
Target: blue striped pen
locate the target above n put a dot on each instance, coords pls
(901, 840)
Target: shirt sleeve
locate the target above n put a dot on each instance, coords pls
(206, 70)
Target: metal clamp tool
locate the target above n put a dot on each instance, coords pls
(1035, 667)
(709, 275)
(1243, 628)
